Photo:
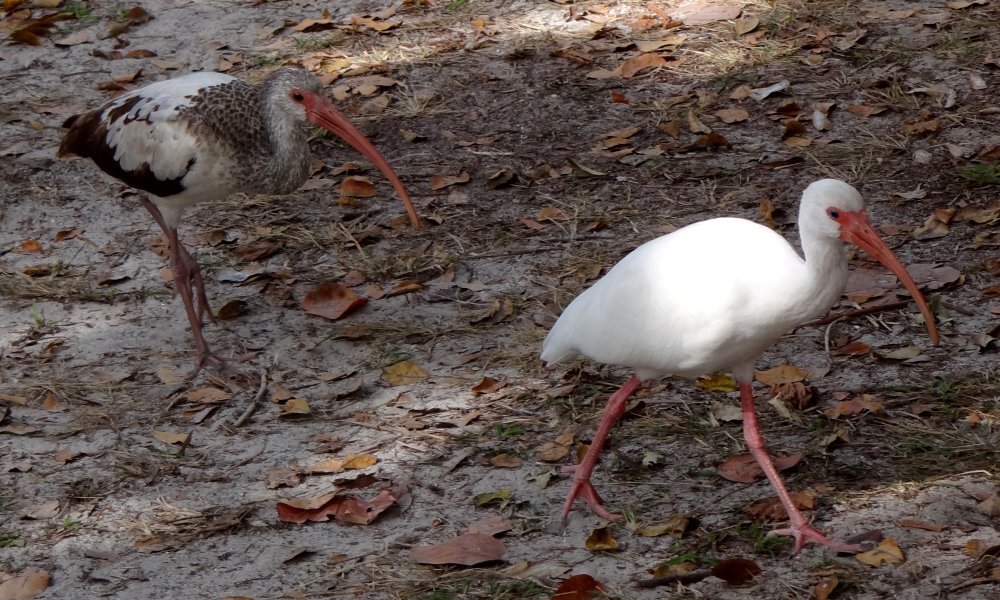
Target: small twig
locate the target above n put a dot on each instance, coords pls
(854, 313)
(256, 399)
(684, 579)
(956, 308)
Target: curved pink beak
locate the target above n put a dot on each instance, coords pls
(855, 228)
(322, 113)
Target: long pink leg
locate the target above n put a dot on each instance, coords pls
(800, 529)
(187, 274)
(582, 488)
(190, 264)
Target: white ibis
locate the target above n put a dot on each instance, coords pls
(205, 136)
(714, 295)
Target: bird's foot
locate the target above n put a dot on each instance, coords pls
(204, 359)
(807, 534)
(584, 490)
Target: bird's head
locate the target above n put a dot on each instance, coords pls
(298, 92)
(833, 209)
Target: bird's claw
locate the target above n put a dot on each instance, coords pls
(807, 534)
(584, 490)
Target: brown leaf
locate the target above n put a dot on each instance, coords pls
(331, 300)
(855, 406)
(405, 372)
(378, 26)
(551, 213)
(823, 589)
(356, 186)
(772, 509)
(233, 309)
(735, 571)
(31, 582)
(865, 111)
(556, 450)
(501, 178)
(600, 540)
(918, 524)
(344, 508)
(487, 385)
(73, 39)
(491, 526)
(634, 65)
(743, 468)
(709, 141)
(887, 552)
(732, 115)
(439, 182)
(173, 438)
(506, 461)
(676, 525)
(29, 247)
(781, 374)
(339, 465)
(407, 286)
(856, 348)
(577, 587)
(208, 395)
(468, 549)
(702, 12)
(793, 127)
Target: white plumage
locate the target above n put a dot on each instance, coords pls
(712, 296)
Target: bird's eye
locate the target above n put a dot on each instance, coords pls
(833, 213)
(297, 96)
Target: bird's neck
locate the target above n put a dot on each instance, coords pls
(826, 262)
(288, 140)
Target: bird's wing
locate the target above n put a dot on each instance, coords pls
(145, 137)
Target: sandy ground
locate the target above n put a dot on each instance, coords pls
(94, 345)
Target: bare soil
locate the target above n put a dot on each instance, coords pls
(92, 340)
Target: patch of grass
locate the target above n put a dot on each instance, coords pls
(505, 433)
(11, 540)
(81, 12)
(982, 173)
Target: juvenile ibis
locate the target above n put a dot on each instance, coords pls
(714, 295)
(205, 136)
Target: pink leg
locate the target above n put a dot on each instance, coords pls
(800, 529)
(190, 264)
(187, 274)
(582, 488)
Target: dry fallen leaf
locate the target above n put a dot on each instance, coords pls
(468, 549)
(720, 382)
(823, 589)
(405, 372)
(346, 509)
(735, 571)
(506, 461)
(31, 582)
(887, 552)
(331, 300)
(855, 406)
(577, 587)
(772, 509)
(743, 468)
(676, 525)
(173, 438)
(600, 540)
(339, 465)
(357, 186)
(439, 182)
(781, 374)
(558, 449)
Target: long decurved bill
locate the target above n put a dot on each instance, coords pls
(855, 228)
(322, 113)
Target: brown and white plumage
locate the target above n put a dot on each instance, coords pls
(205, 136)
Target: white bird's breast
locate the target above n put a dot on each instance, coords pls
(706, 297)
